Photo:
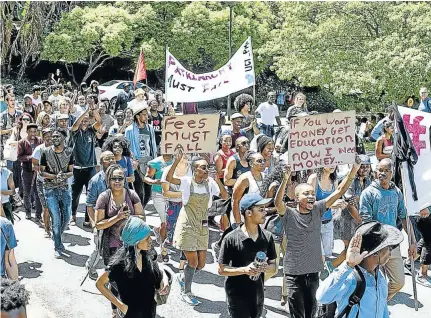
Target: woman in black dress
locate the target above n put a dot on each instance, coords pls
(134, 273)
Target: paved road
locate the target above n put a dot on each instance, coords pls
(55, 291)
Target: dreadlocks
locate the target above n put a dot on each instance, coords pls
(110, 172)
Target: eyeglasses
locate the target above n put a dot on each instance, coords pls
(117, 179)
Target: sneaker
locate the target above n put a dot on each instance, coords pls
(57, 254)
(93, 275)
(73, 221)
(28, 216)
(180, 280)
(423, 280)
(407, 268)
(190, 299)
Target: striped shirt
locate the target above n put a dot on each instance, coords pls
(303, 250)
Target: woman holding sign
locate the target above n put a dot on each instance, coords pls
(191, 232)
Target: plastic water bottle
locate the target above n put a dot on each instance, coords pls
(258, 261)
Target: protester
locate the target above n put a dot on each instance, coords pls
(113, 207)
(119, 125)
(245, 297)
(7, 189)
(141, 137)
(385, 143)
(8, 118)
(123, 98)
(154, 173)
(243, 105)
(83, 88)
(37, 152)
(237, 164)
(382, 201)
(96, 186)
(223, 155)
(378, 128)
(155, 118)
(121, 150)
(43, 121)
(369, 250)
(28, 106)
(191, 232)
(265, 146)
(84, 141)
(269, 114)
(425, 104)
(135, 273)
(93, 89)
(35, 97)
(56, 166)
(107, 121)
(302, 226)
(25, 151)
(299, 106)
(64, 109)
(235, 130)
(55, 97)
(161, 106)
(250, 181)
(47, 107)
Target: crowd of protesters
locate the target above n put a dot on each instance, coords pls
(56, 146)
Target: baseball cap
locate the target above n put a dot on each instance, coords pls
(251, 199)
(62, 116)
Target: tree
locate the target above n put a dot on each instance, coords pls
(377, 49)
(93, 35)
(23, 26)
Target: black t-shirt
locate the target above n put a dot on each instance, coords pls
(238, 250)
(137, 290)
(156, 121)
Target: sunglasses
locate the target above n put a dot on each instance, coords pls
(26, 119)
(117, 179)
(260, 161)
(205, 167)
(244, 143)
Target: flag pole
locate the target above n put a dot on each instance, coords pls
(166, 76)
(410, 234)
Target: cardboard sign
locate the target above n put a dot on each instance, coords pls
(418, 124)
(183, 86)
(193, 133)
(323, 140)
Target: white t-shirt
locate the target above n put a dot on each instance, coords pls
(5, 173)
(36, 101)
(199, 189)
(174, 187)
(268, 113)
(54, 100)
(37, 152)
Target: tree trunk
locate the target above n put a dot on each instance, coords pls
(71, 73)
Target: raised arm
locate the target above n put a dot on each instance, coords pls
(344, 185)
(238, 191)
(98, 119)
(170, 177)
(279, 203)
(78, 120)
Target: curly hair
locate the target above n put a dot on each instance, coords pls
(108, 145)
(332, 176)
(241, 100)
(13, 295)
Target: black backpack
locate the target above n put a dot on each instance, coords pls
(328, 311)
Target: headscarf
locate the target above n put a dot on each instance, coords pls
(133, 232)
(40, 118)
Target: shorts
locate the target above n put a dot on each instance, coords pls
(327, 238)
(160, 203)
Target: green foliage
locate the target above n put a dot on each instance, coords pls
(371, 47)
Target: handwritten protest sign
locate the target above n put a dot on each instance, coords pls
(322, 140)
(182, 85)
(418, 124)
(193, 133)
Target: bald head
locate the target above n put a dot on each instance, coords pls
(386, 163)
(303, 187)
(107, 158)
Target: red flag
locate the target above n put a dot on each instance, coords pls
(141, 70)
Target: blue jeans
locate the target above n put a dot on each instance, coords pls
(267, 130)
(59, 201)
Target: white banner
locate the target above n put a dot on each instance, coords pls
(183, 86)
(418, 124)
(324, 140)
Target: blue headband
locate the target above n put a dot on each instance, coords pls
(134, 231)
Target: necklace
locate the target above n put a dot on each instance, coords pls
(258, 186)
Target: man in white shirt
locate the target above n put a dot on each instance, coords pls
(35, 98)
(269, 113)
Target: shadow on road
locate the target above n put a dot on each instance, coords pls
(274, 310)
(29, 269)
(204, 277)
(405, 299)
(74, 239)
(212, 307)
(74, 258)
(273, 292)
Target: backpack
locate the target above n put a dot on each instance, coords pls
(328, 311)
